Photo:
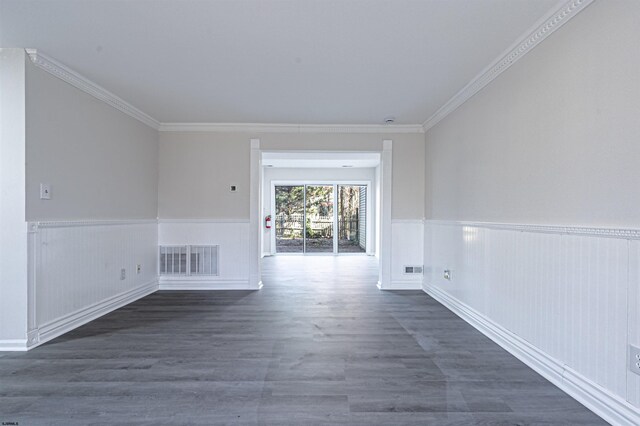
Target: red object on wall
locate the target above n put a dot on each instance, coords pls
(267, 222)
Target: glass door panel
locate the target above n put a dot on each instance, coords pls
(289, 219)
(319, 219)
(352, 218)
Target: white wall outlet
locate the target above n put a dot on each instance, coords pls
(634, 359)
(123, 274)
(45, 191)
(447, 274)
(138, 269)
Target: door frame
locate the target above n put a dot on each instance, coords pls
(383, 207)
(335, 184)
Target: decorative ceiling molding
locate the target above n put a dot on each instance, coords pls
(290, 128)
(543, 29)
(66, 74)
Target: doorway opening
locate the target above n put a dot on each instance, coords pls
(320, 218)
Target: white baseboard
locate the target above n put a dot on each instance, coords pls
(401, 285)
(82, 316)
(200, 284)
(15, 345)
(610, 407)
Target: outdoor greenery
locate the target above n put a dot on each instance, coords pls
(319, 218)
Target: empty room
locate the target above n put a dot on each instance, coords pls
(319, 212)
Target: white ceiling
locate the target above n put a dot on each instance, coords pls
(320, 159)
(267, 61)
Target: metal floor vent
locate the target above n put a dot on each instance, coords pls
(203, 260)
(413, 269)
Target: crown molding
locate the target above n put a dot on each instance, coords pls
(540, 31)
(290, 128)
(66, 74)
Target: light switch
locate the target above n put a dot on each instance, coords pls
(45, 191)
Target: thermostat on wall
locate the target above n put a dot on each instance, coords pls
(233, 188)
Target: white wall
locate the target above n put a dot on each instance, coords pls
(314, 175)
(13, 236)
(101, 163)
(553, 140)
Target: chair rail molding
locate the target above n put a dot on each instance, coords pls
(621, 233)
(529, 40)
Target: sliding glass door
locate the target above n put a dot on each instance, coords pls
(289, 219)
(352, 219)
(306, 220)
(319, 219)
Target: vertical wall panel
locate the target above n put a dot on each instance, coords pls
(79, 266)
(406, 250)
(565, 294)
(231, 236)
(633, 380)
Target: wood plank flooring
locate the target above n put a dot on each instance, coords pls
(319, 344)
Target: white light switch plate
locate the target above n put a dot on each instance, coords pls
(45, 191)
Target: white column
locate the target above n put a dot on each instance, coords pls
(386, 159)
(14, 292)
(255, 223)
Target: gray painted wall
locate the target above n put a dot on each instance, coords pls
(552, 140)
(101, 163)
(196, 169)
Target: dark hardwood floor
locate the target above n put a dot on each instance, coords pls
(319, 344)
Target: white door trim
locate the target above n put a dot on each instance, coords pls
(255, 251)
(385, 199)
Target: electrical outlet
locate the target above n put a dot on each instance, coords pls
(138, 269)
(634, 359)
(123, 274)
(447, 274)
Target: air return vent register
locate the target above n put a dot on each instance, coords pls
(189, 260)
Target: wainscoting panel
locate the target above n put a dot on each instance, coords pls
(633, 382)
(233, 238)
(406, 250)
(562, 291)
(78, 270)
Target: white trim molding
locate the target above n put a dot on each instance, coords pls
(290, 128)
(74, 320)
(203, 283)
(602, 402)
(203, 220)
(410, 221)
(403, 285)
(543, 29)
(13, 345)
(620, 233)
(78, 81)
(34, 226)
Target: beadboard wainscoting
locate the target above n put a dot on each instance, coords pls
(234, 262)
(565, 300)
(406, 250)
(76, 271)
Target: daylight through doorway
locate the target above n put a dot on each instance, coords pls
(308, 220)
